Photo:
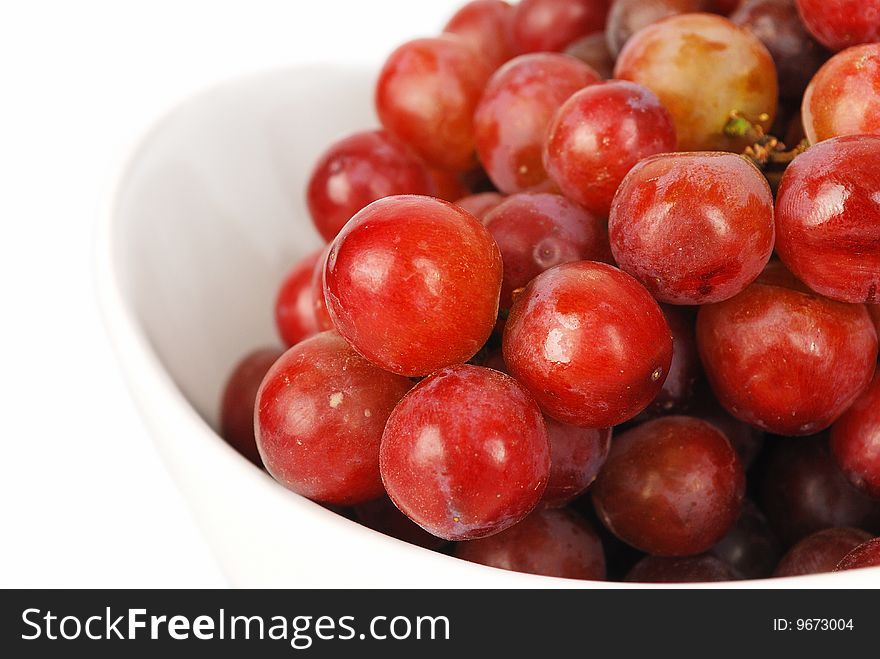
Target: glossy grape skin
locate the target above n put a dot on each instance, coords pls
(694, 228)
(487, 26)
(576, 456)
(678, 389)
(592, 50)
(480, 204)
(843, 98)
(865, 555)
(589, 343)
(413, 284)
(796, 54)
(511, 120)
(552, 543)
(237, 402)
(785, 359)
(672, 486)
(626, 17)
(536, 231)
(840, 24)
(295, 302)
(319, 301)
(855, 440)
(702, 67)
(820, 552)
(688, 569)
(426, 96)
(599, 134)
(551, 25)
(357, 170)
(750, 547)
(465, 454)
(828, 218)
(803, 491)
(319, 418)
(383, 516)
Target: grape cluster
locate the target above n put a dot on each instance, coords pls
(601, 297)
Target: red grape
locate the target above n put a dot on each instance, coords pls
(426, 95)
(593, 51)
(465, 454)
(599, 134)
(487, 26)
(865, 555)
(828, 218)
(553, 543)
(551, 25)
(746, 440)
(694, 228)
(685, 370)
(671, 487)
(795, 52)
(783, 358)
(413, 284)
(295, 302)
(627, 17)
(589, 343)
(750, 547)
(237, 403)
(841, 23)
(447, 185)
(703, 67)
(820, 552)
(319, 301)
(874, 311)
(688, 569)
(480, 204)
(536, 231)
(383, 516)
(576, 456)
(855, 440)
(319, 418)
(356, 171)
(849, 80)
(803, 491)
(512, 117)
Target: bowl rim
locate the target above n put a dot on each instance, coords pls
(145, 376)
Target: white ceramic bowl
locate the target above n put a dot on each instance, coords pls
(209, 215)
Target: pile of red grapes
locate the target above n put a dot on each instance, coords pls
(601, 297)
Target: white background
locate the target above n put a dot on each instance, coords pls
(84, 499)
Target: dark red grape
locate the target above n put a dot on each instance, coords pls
(511, 120)
(426, 96)
(487, 26)
(671, 487)
(295, 302)
(746, 440)
(678, 389)
(627, 17)
(703, 67)
(828, 218)
(804, 491)
(413, 284)
(750, 547)
(536, 231)
(480, 204)
(551, 25)
(592, 50)
(865, 555)
(576, 456)
(694, 228)
(239, 397)
(840, 24)
(820, 552)
(784, 359)
(688, 569)
(356, 171)
(465, 454)
(553, 543)
(599, 134)
(319, 418)
(850, 79)
(855, 440)
(589, 342)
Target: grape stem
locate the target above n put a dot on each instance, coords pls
(765, 151)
